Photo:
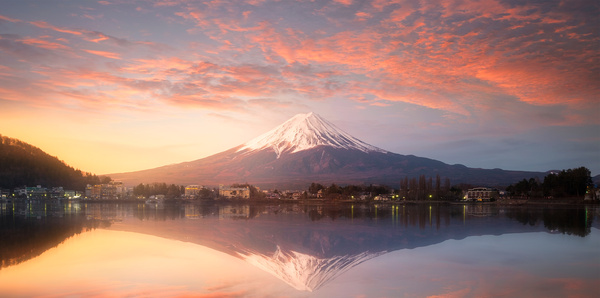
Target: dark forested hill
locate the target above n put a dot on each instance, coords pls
(23, 164)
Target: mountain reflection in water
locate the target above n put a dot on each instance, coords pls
(306, 246)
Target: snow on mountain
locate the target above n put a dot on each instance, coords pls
(305, 272)
(306, 131)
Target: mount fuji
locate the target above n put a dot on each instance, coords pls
(304, 132)
(307, 148)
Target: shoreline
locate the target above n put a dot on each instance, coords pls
(503, 202)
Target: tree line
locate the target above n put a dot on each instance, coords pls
(415, 188)
(170, 191)
(566, 183)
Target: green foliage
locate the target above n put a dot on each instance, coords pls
(23, 164)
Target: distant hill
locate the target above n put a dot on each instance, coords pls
(308, 148)
(23, 164)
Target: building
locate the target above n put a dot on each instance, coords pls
(320, 194)
(234, 192)
(272, 195)
(72, 194)
(481, 194)
(36, 192)
(4, 194)
(57, 192)
(112, 190)
(192, 191)
(119, 188)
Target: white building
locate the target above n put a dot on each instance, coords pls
(481, 194)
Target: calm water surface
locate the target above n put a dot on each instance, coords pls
(129, 250)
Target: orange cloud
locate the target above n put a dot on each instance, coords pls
(197, 16)
(448, 56)
(104, 54)
(43, 44)
(9, 19)
(42, 24)
(363, 16)
(344, 2)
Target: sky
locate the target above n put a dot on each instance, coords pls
(115, 86)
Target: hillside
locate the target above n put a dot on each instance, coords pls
(23, 164)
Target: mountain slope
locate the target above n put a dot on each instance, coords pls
(23, 164)
(308, 149)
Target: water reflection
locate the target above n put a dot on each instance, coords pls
(305, 246)
(29, 229)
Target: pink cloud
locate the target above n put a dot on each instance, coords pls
(10, 94)
(5, 18)
(398, 15)
(97, 37)
(42, 24)
(197, 16)
(380, 5)
(344, 2)
(222, 103)
(441, 55)
(43, 44)
(104, 54)
(363, 16)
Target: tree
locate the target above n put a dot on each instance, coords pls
(140, 190)
(571, 182)
(333, 189)
(205, 193)
(315, 187)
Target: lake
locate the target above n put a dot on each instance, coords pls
(298, 250)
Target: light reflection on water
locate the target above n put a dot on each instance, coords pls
(298, 250)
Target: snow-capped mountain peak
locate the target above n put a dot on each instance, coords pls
(306, 131)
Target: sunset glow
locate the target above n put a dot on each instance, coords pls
(130, 264)
(114, 86)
